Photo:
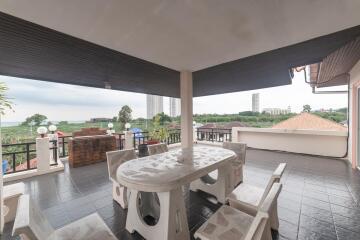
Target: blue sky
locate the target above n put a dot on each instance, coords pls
(69, 102)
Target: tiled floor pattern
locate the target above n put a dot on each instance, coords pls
(320, 197)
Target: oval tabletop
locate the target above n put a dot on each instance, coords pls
(166, 171)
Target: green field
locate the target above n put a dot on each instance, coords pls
(22, 133)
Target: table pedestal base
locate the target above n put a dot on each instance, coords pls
(172, 223)
(120, 195)
(220, 189)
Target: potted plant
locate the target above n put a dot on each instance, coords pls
(159, 135)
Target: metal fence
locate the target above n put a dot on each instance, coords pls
(63, 145)
(213, 134)
(20, 157)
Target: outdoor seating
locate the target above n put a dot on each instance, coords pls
(249, 198)
(12, 193)
(114, 160)
(31, 224)
(157, 148)
(238, 163)
(232, 224)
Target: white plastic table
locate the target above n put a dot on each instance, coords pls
(165, 174)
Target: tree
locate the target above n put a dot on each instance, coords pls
(37, 119)
(125, 114)
(5, 103)
(162, 118)
(306, 108)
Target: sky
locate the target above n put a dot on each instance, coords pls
(75, 103)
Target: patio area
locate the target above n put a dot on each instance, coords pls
(319, 200)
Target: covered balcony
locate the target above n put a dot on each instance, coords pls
(188, 49)
(319, 199)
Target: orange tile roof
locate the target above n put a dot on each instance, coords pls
(311, 122)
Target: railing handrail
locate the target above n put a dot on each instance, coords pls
(227, 129)
(17, 144)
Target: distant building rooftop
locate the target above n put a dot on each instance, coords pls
(228, 125)
(311, 122)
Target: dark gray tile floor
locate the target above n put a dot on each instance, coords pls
(320, 197)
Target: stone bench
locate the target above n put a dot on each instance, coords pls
(31, 224)
(12, 193)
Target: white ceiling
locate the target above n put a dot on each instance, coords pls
(190, 35)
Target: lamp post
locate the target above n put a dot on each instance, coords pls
(32, 123)
(52, 129)
(110, 130)
(42, 131)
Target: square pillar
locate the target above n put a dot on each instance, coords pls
(186, 94)
(43, 154)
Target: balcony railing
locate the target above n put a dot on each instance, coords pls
(203, 134)
(22, 156)
(63, 145)
(213, 134)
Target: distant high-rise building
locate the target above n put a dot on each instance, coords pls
(175, 107)
(154, 105)
(255, 102)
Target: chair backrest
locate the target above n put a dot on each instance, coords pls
(271, 198)
(238, 148)
(157, 148)
(30, 221)
(116, 158)
(275, 178)
(257, 230)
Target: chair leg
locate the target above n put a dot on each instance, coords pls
(120, 195)
(274, 218)
(238, 176)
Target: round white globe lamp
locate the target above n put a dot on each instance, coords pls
(42, 131)
(127, 126)
(52, 128)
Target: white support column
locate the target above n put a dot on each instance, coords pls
(42, 154)
(186, 93)
(129, 141)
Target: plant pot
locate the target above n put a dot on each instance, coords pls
(152, 142)
(4, 166)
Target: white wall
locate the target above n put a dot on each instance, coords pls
(354, 84)
(314, 142)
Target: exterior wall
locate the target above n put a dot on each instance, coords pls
(314, 142)
(353, 114)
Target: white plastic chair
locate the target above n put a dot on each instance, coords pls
(232, 224)
(248, 198)
(114, 160)
(157, 148)
(239, 162)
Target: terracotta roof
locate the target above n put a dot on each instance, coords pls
(311, 122)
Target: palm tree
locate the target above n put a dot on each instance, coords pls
(5, 103)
